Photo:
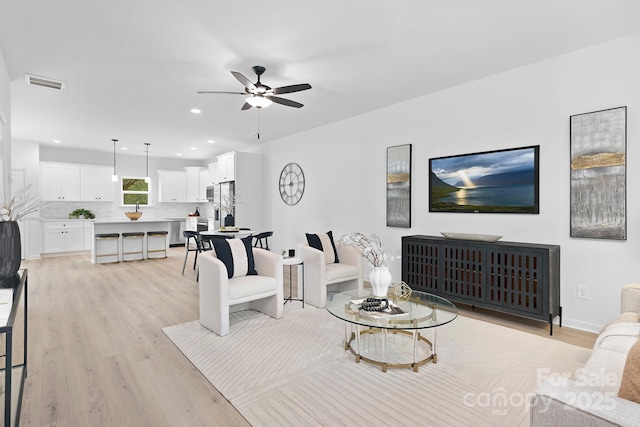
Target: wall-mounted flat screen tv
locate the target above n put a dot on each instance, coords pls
(501, 181)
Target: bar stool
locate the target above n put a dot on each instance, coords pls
(132, 246)
(153, 250)
(188, 235)
(259, 239)
(104, 250)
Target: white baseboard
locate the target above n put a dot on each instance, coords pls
(583, 326)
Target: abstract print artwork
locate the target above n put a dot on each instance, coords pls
(399, 186)
(599, 175)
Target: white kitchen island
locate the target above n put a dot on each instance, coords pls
(120, 226)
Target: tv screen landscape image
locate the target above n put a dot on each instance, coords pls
(501, 181)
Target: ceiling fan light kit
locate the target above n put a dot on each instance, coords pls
(258, 101)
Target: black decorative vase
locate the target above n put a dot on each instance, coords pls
(229, 221)
(10, 254)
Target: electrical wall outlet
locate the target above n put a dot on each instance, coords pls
(583, 292)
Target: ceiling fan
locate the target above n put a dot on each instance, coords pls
(260, 95)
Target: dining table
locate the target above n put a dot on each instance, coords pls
(235, 234)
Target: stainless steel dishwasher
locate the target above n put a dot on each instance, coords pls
(177, 227)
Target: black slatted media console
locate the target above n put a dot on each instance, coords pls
(516, 278)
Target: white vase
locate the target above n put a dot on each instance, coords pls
(380, 279)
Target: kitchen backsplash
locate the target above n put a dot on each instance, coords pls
(61, 210)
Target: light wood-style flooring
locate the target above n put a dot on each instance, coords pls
(98, 356)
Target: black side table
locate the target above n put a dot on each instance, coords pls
(291, 261)
(13, 325)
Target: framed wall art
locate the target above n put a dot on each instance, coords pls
(599, 174)
(399, 186)
(500, 181)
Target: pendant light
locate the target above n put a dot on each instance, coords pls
(146, 177)
(114, 177)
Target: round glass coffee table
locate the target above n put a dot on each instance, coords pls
(370, 330)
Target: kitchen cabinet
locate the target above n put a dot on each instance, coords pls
(191, 224)
(63, 236)
(213, 173)
(87, 233)
(31, 232)
(205, 181)
(96, 184)
(172, 186)
(60, 182)
(227, 167)
(197, 181)
(193, 183)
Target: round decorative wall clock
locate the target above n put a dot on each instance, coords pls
(291, 184)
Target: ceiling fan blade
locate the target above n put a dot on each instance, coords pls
(246, 106)
(287, 102)
(292, 88)
(245, 81)
(219, 91)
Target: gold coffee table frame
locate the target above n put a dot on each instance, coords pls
(422, 311)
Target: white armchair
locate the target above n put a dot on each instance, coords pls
(318, 276)
(220, 295)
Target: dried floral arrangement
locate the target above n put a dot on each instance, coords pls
(18, 206)
(369, 247)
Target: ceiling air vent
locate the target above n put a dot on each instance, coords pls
(32, 80)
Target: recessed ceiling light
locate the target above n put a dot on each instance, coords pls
(211, 141)
(178, 154)
(194, 148)
(124, 148)
(196, 111)
(57, 141)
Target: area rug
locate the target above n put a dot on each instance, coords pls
(295, 371)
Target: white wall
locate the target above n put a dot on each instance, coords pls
(25, 155)
(344, 165)
(5, 117)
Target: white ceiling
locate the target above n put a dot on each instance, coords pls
(133, 67)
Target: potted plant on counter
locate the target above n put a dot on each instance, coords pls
(81, 212)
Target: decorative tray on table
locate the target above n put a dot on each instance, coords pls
(228, 229)
(376, 307)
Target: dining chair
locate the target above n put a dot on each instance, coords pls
(197, 247)
(261, 240)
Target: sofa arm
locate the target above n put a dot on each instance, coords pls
(630, 300)
(575, 405)
(213, 284)
(315, 275)
(269, 264)
(212, 276)
(311, 255)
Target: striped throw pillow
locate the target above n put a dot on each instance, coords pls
(324, 242)
(237, 256)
